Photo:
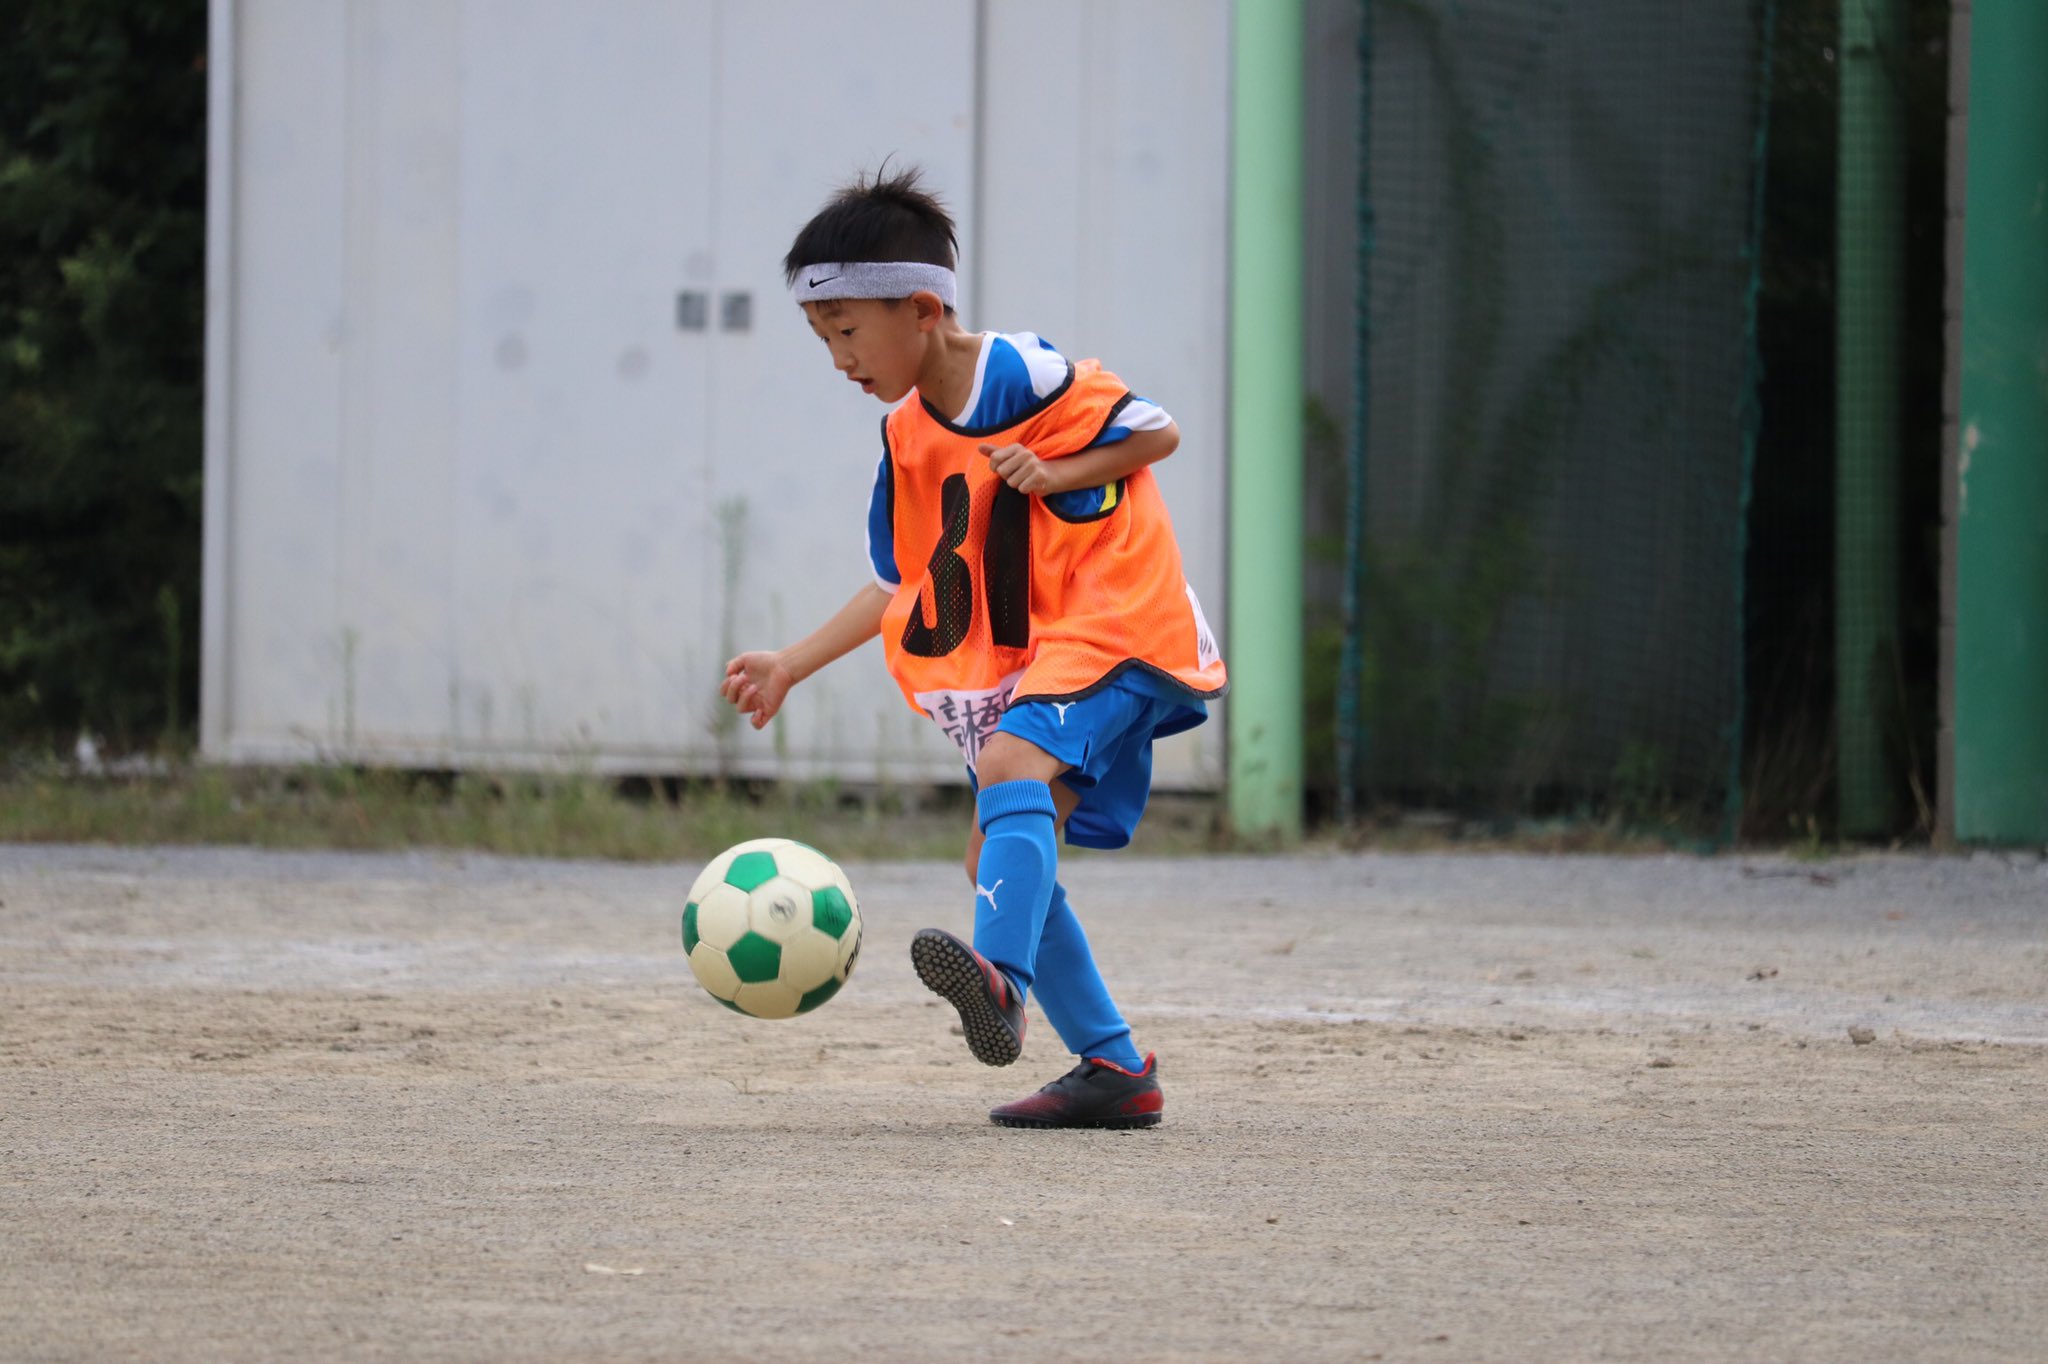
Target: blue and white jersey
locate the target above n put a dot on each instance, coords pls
(1015, 372)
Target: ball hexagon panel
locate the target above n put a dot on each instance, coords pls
(714, 871)
(813, 998)
(713, 971)
(767, 999)
(749, 871)
(778, 909)
(755, 959)
(806, 864)
(721, 916)
(809, 958)
(831, 911)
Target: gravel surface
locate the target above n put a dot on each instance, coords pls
(433, 1106)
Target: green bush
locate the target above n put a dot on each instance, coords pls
(102, 321)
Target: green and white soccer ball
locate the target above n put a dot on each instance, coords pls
(772, 928)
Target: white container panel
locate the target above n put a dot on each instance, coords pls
(289, 326)
(581, 526)
(793, 445)
(399, 415)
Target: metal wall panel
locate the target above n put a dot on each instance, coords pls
(288, 330)
(395, 556)
(581, 541)
(792, 445)
(1104, 214)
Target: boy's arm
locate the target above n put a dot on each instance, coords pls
(757, 682)
(1022, 469)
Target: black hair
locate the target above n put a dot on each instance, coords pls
(891, 217)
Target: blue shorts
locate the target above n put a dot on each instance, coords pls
(1106, 741)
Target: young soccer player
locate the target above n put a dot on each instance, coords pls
(1029, 595)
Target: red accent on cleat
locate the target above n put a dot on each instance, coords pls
(1142, 1071)
(1151, 1101)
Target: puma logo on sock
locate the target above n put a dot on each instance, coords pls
(990, 891)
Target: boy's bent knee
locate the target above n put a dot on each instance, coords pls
(1005, 757)
(1064, 799)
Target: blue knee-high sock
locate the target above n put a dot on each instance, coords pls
(1013, 880)
(1071, 992)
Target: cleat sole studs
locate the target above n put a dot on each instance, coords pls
(951, 973)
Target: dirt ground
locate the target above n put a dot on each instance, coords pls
(268, 1106)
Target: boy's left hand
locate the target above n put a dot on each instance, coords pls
(1023, 470)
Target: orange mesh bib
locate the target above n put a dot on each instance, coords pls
(1003, 597)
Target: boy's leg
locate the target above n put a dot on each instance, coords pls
(1012, 887)
(1064, 799)
(1063, 974)
(1107, 738)
(1112, 1086)
(1075, 1001)
(1018, 811)
(1118, 778)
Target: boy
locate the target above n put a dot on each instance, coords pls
(1029, 595)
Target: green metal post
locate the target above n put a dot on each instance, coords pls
(1264, 647)
(2001, 498)
(1869, 285)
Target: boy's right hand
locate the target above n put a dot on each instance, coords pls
(756, 683)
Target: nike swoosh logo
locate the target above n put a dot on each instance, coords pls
(827, 280)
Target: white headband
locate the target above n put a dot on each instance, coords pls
(871, 279)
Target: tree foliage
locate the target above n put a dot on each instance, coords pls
(102, 320)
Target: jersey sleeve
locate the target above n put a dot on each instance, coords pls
(1139, 414)
(1131, 414)
(882, 528)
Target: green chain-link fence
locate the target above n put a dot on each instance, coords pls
(1553, 413)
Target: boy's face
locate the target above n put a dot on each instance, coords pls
(879, 347)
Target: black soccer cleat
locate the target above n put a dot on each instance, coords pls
(991, 1014)
(1096, 1093)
